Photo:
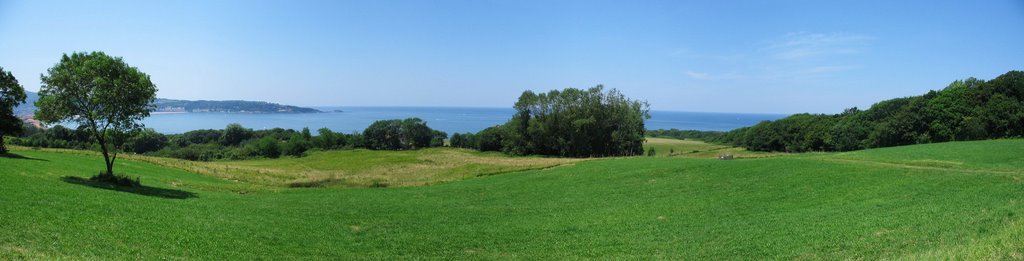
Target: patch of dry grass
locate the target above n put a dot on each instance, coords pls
(354, 168)
(364, 168)
(698, 149)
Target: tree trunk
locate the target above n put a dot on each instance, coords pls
(3, 149)
(106, 156)
(106, 159)
(110, 168)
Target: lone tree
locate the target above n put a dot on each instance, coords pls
(103, 94)
(11, 94)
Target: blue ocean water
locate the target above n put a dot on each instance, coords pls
(451, 120)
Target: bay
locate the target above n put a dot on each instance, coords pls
(448, 119)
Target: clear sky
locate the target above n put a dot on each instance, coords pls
(715, 56)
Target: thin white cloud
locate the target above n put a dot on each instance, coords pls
(698, 75)
(794, 56)
(826, 69)
(795, 46)
(708, 76)
(689, 54)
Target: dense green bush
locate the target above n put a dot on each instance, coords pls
(411, 133)
(267, 147)
(196, 137)
(437, 138)
(56, 137)
(147, 140)
(491, 139)
(464, 140)
(327, 139)
(235, 134)
(297, 145)
(196, 152)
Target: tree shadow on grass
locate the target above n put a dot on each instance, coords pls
(139, 190)
(16, 156)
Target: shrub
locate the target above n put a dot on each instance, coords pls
(491, 139)
(146, 141)
(117, 180)
(267, 147)
(295, 146)
(195, 152)
(235, 134)
(196, 137)
(411, 133)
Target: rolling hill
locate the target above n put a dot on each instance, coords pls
(957, 200)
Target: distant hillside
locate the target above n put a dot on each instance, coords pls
(233, 106)
(28, 108)
(169, 105)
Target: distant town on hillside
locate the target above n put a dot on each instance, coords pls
(170, 105)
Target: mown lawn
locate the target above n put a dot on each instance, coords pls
(862, 205)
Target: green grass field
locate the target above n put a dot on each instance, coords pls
(959, 200)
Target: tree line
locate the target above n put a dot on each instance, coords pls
(969, 109)
(236, 142)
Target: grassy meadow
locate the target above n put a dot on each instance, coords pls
(958, 200)
(365, 168)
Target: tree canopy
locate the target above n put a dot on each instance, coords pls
(99, 92)
(969, 109)
(11, 94)
(411, 133)
(570, 122)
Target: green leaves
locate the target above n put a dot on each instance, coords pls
(965, 110)
(576, 123)
(100, 92)
(11, 94)
(411, 133)
(95, 89)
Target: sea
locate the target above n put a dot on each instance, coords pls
(447, 119)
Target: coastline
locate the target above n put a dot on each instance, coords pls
(167, 112)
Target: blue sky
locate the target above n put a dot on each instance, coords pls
(715, 56)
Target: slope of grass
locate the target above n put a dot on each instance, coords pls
(666, 147)
(986, 155)
(863, 205)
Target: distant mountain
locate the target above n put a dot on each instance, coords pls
(29, 107)
(169, 105)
